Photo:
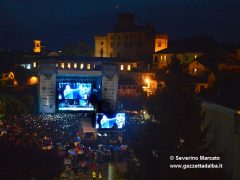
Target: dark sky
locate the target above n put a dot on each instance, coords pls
(56, 22)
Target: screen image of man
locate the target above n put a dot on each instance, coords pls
(68, 93)
(118, 121)
(71, 93)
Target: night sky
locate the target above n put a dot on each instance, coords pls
(57, 22)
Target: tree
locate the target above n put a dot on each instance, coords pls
(2, 108)
(28, 101)
(21, 75)
(177, 109)
(14, 107)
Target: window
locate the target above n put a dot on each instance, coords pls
(122, 67)
(129, 67)
(161, 58)
(28, 66)
(62, 65)
(155, 59)
(88, 66)
(101, 52)
(75, 65)
(101, 42)
(165, 57)
(159, 44)
(34, 64)
(69, 65)
(195, 70)
(195, 56)
(81, 66)
(111, 45)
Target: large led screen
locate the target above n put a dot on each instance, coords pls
(104, 122)
(74, 96)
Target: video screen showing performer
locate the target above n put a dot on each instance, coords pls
(74, 96)
(104, 122)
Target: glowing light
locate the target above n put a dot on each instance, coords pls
(129, 67)
(75, 65)
(147, 81)
(195, 70)
(88, 66)
(37, 46)
(33, 80)
(81, 66)
(121, 67)
(28, 66)
(11, 75)
(69, 65)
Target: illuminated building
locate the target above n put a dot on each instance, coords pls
(163, 58)
(161, 42)
(37, 46)
(127, 40)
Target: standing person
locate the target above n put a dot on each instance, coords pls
(94, 175)
(92, 166)
(84, 167)
(74, 165)
(100, 162)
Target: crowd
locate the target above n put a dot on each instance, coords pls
(84, 160)
(41, 130)
(60, 132)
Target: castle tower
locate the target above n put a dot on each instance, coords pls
(37, 46)
(161, 42)
(125, 21)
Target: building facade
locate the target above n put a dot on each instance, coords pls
(223, 135)
(163, 58)
(127, 40)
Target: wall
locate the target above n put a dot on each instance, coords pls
(126, 44)
(225, 141)
(200, 69)
(161, 60)
(161, 42)
(101, 45)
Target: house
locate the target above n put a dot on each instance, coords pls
(163, 58)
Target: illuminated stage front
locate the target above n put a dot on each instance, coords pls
(72, 88)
